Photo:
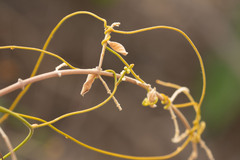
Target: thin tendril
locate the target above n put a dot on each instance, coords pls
(177, 151)
(4, 110)
(22, 93)
(188, 39)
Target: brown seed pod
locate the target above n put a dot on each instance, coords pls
(118, 47)
(88, 83)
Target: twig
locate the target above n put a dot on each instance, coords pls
(109, 92)
(187, 125)
(175, 94)
(174, 118)
(8, 143)
(104, 45)
(53, 74)
(208, 151)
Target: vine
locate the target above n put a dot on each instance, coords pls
(192, 132)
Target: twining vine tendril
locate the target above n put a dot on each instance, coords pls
(192, 133)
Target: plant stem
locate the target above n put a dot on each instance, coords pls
(22, 83)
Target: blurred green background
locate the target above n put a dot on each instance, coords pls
(214, 26)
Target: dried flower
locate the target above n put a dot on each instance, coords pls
(88, 83)
(118, 47)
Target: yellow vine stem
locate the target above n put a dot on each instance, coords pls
(45, 123)
(4, 110)
(39, 50)
(109, 30)
(188, 39)
(116, 83)
(86, 110)
(185, 104)
(176, 152)
(21, 94)
(175, 86)
(189, 96)
(124, 62)
(126, 70)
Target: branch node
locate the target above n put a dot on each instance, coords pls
(20, 81)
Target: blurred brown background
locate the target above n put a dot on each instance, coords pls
(213, 25)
